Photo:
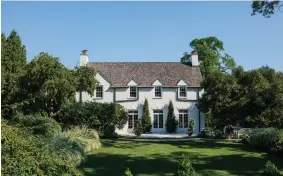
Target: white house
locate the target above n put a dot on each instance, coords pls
(130, 83)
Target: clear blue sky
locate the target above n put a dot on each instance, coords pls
(144, 31)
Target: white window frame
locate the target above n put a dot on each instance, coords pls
(183, 91)
(159, 114)
(136, 91)
(133, 116)
(101, 91)
(160, 91)
(183, 114)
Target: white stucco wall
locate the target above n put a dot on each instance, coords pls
(123, 94)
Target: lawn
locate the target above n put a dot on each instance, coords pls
(160, 158)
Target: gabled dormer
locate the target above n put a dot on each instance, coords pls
(157, 88)
(133, 88)
(182, 89)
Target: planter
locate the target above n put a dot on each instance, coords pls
(190, 134)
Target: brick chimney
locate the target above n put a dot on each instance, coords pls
(194, 58)
(83, 58)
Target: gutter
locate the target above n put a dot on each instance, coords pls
(130, 100)
(183, 99)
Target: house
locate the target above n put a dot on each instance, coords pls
(130, 83)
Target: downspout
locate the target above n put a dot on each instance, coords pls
(198, 111)
(114, 95)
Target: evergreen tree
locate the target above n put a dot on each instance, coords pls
(171, 122)
(13, 63)
(146, 121)
(185, 167)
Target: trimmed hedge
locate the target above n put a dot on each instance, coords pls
(268, 140)
(104, 117)
(210, 133)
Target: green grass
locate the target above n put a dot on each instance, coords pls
(160, 158)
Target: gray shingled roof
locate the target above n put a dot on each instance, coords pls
(119, 74)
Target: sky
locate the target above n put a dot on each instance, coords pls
(143, 31)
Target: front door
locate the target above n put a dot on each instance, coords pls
(133, 117)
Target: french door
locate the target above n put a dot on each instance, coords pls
(133, 117)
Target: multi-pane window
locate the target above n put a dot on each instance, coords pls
(157, 119)
(158, 91)
(183, 91)
(99, 91)
(133, 91)
(183, 119)
(133, 118)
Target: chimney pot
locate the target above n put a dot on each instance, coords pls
(83, 58)
(84, 52)
(194, 52)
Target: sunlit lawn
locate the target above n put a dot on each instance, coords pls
(160, 158)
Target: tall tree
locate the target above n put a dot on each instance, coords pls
(146, 121)
(48, 84)
(210, 55)
(85, 80)
(13, 63)
(266, 7)
(245, 98)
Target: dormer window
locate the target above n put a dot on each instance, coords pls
(183, 91)
(158, 91)
(133, 91)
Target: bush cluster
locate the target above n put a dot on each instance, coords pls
(29, 151)
(270, 170)
(210, 133)
(104, 117)
(268, 140)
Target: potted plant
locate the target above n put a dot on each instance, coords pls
(191, 127)
(228, 131)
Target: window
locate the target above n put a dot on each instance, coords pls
(99, 92)
(183, 119)
(158, 91)
(133, 91)
(158, 119)
(183, 91)
(133, 117)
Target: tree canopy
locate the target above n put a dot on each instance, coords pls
(211, 55)
(42, 85)
(266, 8)
(245, 98)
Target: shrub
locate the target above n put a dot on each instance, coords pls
(185, 167)
(191, 126)
(37, 124)
(268, 140)
(128, 172)
(26, 154)
(138, 128)
(210, 133)
(171, 122)
(146, 121)
(104, 117)
(270, 170)
(89, 138)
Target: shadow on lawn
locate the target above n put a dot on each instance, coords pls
(181, 144)
(114, 165)
(105, 164)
